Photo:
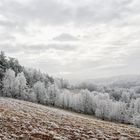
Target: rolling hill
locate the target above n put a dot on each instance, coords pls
(21, 120)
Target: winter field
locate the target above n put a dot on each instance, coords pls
(21, 120)
(69, 69)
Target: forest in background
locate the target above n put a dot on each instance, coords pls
(118, 101)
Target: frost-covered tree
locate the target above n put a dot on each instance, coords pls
(62, 83)
(77, 103)
(137, 106)
(62, 99)
(28, 95)
(136, 120)
(52, 92)
(8, 83)
(14, 65)
(103, 106)
(125, 97)
(117, 111)
(33, 76)
(40, 91)
(86, 101)
(115, 93)
(66, 99)
(89, 86)
(58, 101)
(94, 101)
(3, 67)
(20, 84)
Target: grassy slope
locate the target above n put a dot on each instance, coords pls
(24, 120)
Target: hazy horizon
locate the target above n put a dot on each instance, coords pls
(80, 40)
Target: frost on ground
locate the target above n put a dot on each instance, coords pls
(21, 120)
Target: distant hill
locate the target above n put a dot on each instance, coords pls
(125, 81)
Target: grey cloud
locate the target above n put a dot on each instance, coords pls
(92, 63)
(55, 12)
(36, 48)
(49, 65)
(47, 12)
(43, 47)
(102, 11)
(65, 37)
(133, 57)
(65, 47)
(111, 46)
(8, 48)
(7, 23)
(76, 65)
(6, 37)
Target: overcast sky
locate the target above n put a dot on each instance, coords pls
(74, 39)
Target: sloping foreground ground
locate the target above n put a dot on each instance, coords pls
(21, 120)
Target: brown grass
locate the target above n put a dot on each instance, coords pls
(22, 120)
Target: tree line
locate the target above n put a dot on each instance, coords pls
(106, 102)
